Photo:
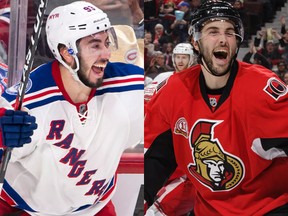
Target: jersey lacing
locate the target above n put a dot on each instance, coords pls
(83, 117)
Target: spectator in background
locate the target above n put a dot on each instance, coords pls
(160, 37)
(284, 40)
(166, 15)
(271, 53)
(137, 12)
(175, 2)
(148, 49)
(253, 57)
(137, 17)
(239, 7)
(167, 8)
(168, 52)
(271, 50)
(284, 43)
(180, 27)
(194, 5)
(281, 69)
(151, 15)
(285, 78)
(157, 65)
(283, 25)
(267, 10)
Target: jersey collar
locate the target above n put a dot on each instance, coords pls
(225, 91)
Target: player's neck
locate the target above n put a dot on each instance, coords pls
(215, 82)
(76, 90)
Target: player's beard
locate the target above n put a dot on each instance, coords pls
(207, 60)
(83, 77)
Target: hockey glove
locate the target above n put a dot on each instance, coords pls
(154, 210)
(16, 127)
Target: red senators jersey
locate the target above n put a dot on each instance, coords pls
(231, 143)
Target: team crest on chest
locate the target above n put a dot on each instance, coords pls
(213, 167)
(181, 127)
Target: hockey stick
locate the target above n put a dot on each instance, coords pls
(24, 79)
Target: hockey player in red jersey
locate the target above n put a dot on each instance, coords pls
(88, 111)
(170, 197)
(223, 123)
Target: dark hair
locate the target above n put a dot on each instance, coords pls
(282, 62)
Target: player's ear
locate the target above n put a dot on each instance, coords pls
(194, 44)
(66, 56)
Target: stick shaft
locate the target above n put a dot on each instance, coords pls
(25, 77)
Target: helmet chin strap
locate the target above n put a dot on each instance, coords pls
(74, 72)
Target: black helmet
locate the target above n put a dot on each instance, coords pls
(215, 10)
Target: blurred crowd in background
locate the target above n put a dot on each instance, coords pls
(167, 23)
(164, 23)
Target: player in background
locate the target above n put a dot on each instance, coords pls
(88, 112)
(182, 58)
(222, 122)
(170, 198)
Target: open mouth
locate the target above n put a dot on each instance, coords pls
(99, 68)
(220, 54)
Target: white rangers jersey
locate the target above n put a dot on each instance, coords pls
(69, 168)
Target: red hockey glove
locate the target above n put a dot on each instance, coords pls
(16, 127)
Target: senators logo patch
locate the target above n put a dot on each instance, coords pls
(181, 127)
(275, 88)
(213, 167)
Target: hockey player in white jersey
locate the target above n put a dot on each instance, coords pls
(182, 58)
(88, 112)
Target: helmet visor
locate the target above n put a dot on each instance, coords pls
(197, 34)
(112, 42)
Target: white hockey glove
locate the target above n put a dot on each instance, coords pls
(154, 211)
